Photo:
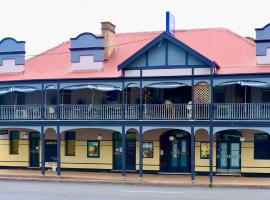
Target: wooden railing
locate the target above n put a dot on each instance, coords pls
(221, 111)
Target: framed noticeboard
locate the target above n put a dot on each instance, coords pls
(93, 149)
(204, 150)
(148, 150)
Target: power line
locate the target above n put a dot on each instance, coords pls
(64, 52)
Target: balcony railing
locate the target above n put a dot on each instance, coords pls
(33, 112)
(51, 112)
(167, 111)
(202, 111)
(91, 112)
(241, 111)
(221, 111)
(132, 111)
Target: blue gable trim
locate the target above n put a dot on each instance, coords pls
(12, 49)
(262, 40)
(172, 39)
(260, 29)
(87, 44)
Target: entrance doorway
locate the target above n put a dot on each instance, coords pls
(175, 151)
(130, 151)
(50, 151)
(34, 139)
(228, 152)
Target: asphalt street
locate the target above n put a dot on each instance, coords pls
(19, 190)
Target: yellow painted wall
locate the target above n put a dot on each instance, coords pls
(80, 160)
(202, 165)
(249, 164)
(149, 163)
(12, 160)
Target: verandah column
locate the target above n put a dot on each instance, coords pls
(192, 146)
(42, 137)
(211, 156)
(42, 133)
(211, 113)
(58, 136)
(123, 152)
(141, 153)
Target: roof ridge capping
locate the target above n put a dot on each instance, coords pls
(239, 36)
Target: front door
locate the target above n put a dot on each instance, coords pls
(228, 156)
(179, 156)
(174, 152)
(34, 149)
(130, 151)
(50, 151)
(117, 151)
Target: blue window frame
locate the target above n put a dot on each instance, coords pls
(14, 142)
(261, 146)
(70, 143)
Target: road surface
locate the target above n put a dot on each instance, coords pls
(20, 190)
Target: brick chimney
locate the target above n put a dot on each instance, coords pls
(108, 32)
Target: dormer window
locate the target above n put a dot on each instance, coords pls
(87, 52)
(12, 56)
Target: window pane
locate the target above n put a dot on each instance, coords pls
(261, 146)
(14, 142)
(70, 147)
(70, 143)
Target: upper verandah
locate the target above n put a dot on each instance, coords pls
(232, 53)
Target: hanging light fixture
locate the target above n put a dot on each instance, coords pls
(171, 138)
(242, 139)
(99, 137)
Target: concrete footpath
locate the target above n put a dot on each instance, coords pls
(148, 179)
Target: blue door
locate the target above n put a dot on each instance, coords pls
(175, 152)
(228, 155)
(130, 151)
(50, 151)
(34, 149)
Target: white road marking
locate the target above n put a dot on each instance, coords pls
(148, 191)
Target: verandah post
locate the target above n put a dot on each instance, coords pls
(211, 156)
(192, 146)
(42, 137)
(123, 152)
(211, 126)
(141, 153)
(58, 136)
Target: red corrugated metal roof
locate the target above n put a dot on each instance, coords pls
(233, 53)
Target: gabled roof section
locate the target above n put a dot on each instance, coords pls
(171, 39)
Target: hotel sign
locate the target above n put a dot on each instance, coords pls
(170, 23)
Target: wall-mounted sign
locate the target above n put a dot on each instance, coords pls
(205, 150)
(148, 150)
(170, 23)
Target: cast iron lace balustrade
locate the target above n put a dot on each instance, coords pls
(222, 111)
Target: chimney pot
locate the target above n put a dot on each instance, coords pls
(108, 26)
